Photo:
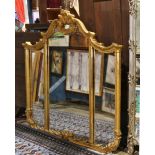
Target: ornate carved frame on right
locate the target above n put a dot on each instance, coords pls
(134, 49)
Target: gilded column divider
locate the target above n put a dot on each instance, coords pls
(28, 87)
(117, 92)
(31, 78)
(48, 83)
(46, 88)
(91, 96)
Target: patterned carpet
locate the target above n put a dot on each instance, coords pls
(32, 142)
(78, 124)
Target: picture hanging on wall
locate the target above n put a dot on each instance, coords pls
(110, 70)
(77, 76)
(108, 100)
(56, 61)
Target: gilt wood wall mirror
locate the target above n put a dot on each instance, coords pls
(68, 114)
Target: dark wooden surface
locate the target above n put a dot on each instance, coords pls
(21, 37)
(43, 11)
(37, 27)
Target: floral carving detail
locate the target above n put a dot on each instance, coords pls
(131, 127)
(132, 80)
(133, 46)
(133, 7)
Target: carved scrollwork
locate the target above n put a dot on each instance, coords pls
(98, 147)
(133, 7)
(39, 45)
(132, 80)
(67, 23)
(133, 46)
(133, 49)
(29, 118)
(131, 127)
(130, 145)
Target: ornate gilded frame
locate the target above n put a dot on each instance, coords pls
(134, 49)
(65, 18)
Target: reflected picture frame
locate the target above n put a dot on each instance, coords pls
(108, 100)
(109, 79)
(56, 60)
(75, 80)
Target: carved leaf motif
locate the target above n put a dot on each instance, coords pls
(133, 7)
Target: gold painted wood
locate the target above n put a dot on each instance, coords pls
(37, 46)
(91, 96)
(117, 93)
(28, 89)
(75, 25)
(46, 87)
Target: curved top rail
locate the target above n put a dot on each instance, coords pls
(37, 46)
(114, 47)
(68, 24)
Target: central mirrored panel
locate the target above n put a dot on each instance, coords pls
(69, 83)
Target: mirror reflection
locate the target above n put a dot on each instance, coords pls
(105, 101)
(37, 97)
(69, 100)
